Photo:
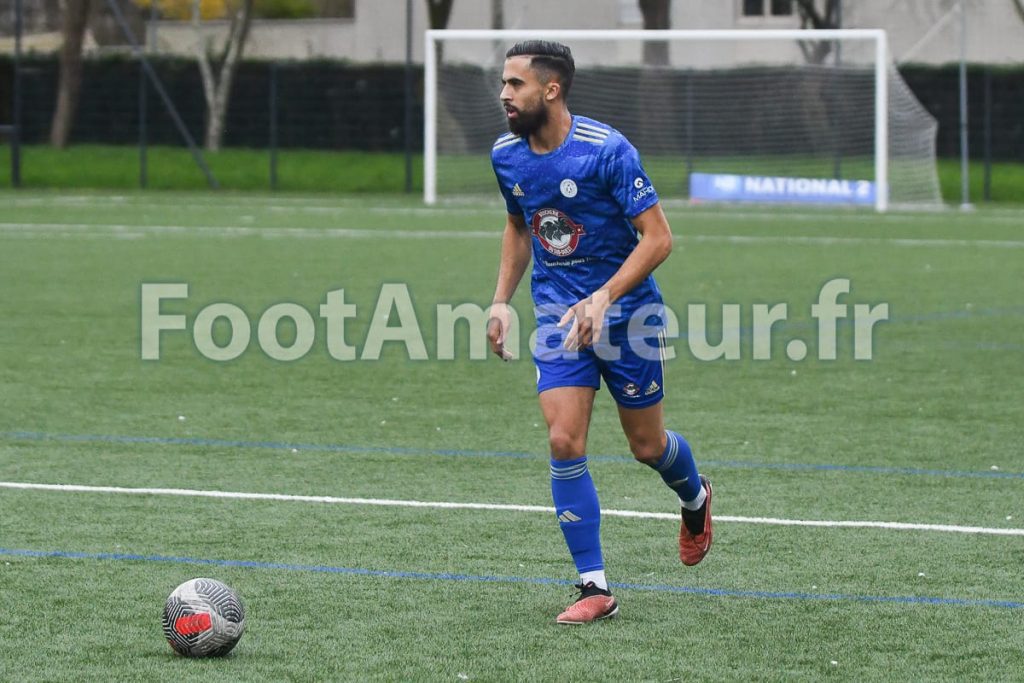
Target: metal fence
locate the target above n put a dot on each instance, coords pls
(333, 105)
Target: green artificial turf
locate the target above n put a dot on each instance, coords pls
(928, 431)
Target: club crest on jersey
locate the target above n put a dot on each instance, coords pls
(557, 233)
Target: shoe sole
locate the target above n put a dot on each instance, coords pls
(611, 614)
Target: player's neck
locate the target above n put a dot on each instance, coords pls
(552, 134)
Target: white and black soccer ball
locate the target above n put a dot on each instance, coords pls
(203, 618)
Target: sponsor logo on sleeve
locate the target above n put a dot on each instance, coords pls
(643, 188)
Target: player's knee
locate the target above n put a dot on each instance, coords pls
(565, 446)
(647, 451)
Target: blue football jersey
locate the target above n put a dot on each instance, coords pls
(577, 201)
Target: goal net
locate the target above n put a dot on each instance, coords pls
(779, 116)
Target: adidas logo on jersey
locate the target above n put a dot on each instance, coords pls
(517, 191)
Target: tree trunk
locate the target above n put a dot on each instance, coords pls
(657, 15)
(76, 17)
(217, 79)
(51, 14)
(439, 12)
(497, 14)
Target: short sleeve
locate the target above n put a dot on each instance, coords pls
(511, 205)
(627, 180)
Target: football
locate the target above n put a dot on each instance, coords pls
(203, 618)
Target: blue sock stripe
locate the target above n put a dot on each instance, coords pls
(669, 457)
(572, 473)
(567, 477)
(569, 469)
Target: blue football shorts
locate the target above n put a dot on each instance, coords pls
(632, 368)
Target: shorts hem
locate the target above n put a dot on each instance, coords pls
(570, 383)
(647, 402)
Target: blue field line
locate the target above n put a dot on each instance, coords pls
(475, 578)
(271, 445)
(397, 450)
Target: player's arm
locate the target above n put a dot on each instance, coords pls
(588, 314)
(652, 250)
(515, 257)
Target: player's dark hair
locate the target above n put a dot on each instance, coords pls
(554, 59)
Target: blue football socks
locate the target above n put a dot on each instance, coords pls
(579, 513)
(679, 471)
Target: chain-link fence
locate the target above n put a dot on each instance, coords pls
(336, 105)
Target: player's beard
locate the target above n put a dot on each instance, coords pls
(528, 121)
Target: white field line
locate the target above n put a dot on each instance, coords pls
(119, 230)
(280, 206)
(824, 240)
(447, 505)
(317, 205)
(94, 230)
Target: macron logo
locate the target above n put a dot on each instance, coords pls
(567, 516)
(517, 191)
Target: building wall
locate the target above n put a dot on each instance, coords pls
(919, 30)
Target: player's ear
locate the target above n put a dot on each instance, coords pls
(552, 90)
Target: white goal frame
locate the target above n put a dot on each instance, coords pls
(877, 36)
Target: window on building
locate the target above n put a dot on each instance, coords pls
(767, 8)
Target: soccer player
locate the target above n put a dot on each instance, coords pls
(579, 201)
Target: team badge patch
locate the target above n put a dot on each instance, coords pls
(557, 233)
(631, 390)
(568, 188)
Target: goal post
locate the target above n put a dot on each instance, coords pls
(735, 115)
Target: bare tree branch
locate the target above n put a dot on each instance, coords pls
(202, 55)
(805, 48)
(1019, 5)
(815, 52)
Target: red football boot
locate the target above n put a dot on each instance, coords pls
(693, 547)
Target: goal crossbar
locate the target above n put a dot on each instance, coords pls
(881, 63)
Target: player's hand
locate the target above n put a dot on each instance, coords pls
(497, 327)
(587, 318)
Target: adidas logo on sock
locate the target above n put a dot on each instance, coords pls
(568, 516)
